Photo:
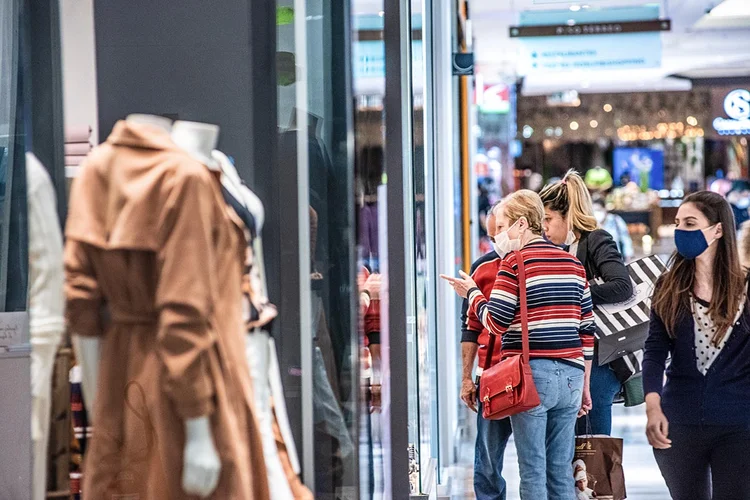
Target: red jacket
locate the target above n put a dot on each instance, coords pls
(484, 272)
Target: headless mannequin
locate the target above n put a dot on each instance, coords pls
(88, 349)
(46, 308)
(282, 464)
(201, 463)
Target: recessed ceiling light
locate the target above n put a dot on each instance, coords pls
(574, 125)
(381, 13)
(575, 8)
(607, 108)
(594, 123)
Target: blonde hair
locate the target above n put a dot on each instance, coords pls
(571, 198)
(525, 204)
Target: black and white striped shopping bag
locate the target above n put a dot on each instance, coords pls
(622, 328)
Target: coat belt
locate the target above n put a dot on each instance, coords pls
(134, 318)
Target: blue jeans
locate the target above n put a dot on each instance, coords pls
(545, 436)
(604, 388)
(492, 438)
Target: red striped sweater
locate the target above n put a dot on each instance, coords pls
(560, 316)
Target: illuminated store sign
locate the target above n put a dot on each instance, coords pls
(737, 108)
(590, 40)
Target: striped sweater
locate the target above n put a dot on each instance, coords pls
(561, 319)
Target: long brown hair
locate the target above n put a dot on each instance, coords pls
(570, 196)
(671, 299)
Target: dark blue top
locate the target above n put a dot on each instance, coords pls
(721, 397)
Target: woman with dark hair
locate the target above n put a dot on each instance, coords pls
(699, 421)
(569, 221)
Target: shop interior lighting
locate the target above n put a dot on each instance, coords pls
(607, 108)
(692, 121)
(594, 123)
(731, 8)
(559, 131)
(574, 125)
(575, 7)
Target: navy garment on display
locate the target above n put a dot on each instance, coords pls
(249, 220)
(242, 211)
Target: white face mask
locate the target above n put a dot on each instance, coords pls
(600, 215)
(570, 239)
(504, 245)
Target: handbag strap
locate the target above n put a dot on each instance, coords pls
(524, 316)
(524, 306)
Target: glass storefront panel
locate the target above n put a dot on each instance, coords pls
(422, 355)
(13, 233)
(15, 433)
(315, 120)
(368, 71)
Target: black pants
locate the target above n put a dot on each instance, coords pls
(707, 463)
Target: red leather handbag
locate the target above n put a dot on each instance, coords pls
(508, 387)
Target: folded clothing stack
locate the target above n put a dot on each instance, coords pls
(77, 144)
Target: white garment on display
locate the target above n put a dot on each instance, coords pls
(46, 308)
(258, 352)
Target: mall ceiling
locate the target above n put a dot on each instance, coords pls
(708, 39)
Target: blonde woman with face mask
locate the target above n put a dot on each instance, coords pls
(561, 341)
(569, 222)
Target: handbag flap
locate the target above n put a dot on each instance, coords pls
(502, 377)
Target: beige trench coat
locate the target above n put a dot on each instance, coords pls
(153, 265)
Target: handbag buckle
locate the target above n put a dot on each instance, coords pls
(486, 400)
(508, 388)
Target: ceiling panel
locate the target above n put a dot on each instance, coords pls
(697, 45)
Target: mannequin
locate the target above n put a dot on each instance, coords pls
(260, 348)
(199, 140)
(46, 306)
(156, 121)
(190, 364)
(88, 349)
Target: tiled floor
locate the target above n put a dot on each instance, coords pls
(642, 477)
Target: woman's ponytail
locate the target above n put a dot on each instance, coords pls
(580, 208)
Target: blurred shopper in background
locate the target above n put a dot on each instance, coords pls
(616, 227)
(598, 179)
(739, 199)
(699, 421)
(743, 244)
(561, 338)
(569, 221)
(492, 435)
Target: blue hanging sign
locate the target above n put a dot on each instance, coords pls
(610, 50)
